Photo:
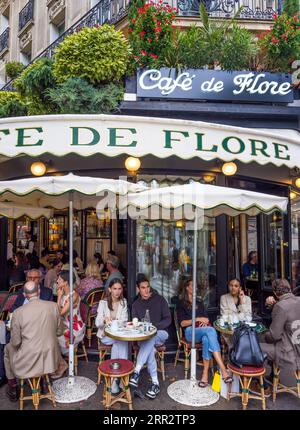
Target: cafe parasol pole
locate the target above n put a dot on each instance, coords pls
(73, 388)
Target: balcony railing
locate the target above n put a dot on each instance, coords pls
(112, 11)
(250, 9)
(4, 40)
(26, 14)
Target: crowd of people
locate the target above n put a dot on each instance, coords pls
(40, 331)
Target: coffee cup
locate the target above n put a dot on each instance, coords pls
(135, 322)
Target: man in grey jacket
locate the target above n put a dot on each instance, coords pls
(282, 341)
(160, 317)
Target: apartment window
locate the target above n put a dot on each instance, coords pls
(94, 2)
(25, 57)
(56, 30)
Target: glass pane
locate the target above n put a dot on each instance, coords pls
(57, 233)
(295, 242)
(273, 237)
(165, 256)
(22, 226)
(97, 227)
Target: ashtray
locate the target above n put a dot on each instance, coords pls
(115, 365)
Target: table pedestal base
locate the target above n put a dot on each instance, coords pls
(73, 389)
(188, 393)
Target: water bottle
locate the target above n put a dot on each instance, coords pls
(147, 317)
(147, 321)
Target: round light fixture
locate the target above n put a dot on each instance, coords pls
(229, 169)
(132, 164)
(208, 178)
(180, 224)
(297, 182)
(293, 195)
(38, 168)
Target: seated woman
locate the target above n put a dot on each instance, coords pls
(113, 307)
(206, 335)
(63, 296)
(90, 282)
(235, 302)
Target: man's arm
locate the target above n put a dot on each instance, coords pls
(277, 327)
(166, 320)
(15, 331)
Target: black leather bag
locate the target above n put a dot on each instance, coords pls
(246, 350)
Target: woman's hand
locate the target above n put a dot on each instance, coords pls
(242, 297)
(202, 321)
(59, 292)
(107, 320)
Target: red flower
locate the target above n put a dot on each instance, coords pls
(150, 40)
(130, 30)
(153, 56)
(275, 16)
(144, 53)
(134, 20)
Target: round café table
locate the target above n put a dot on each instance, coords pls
(130, 334)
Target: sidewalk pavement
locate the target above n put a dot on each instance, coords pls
(162, 402)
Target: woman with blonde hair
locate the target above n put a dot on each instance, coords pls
(90, 282)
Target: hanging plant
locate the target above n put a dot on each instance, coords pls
(280, 45)
(150, 34)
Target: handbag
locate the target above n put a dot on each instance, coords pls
(246, 350)
(216, 384)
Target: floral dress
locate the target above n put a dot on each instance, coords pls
(78, 327)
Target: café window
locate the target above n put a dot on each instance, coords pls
(295, 209)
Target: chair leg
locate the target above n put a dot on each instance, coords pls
(35, 392)
(50, 391)
(276, 372)
(162, 364)
(297, 374)
(177, 355)
(186, 362)
(125, 380)
(75, 362)
(21, 394)
(262, 390)
(107, 392)
(229, 390)
(101, 358)
(245, 391)
(84, 351)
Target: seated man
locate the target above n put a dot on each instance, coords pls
(44, 293)
(279, 342)
(112, 265)
(33, 349)
(161, 318)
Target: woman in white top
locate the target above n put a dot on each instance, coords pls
(235, 302)
(113, 307)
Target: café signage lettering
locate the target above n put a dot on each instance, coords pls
(199, 84)
(111, 136)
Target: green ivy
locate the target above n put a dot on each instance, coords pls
(291, 7)
(78, 96)
(33, 84)
(13, 69)
(98, 54)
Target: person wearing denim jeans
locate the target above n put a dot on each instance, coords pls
(203, 333)
(160, 316)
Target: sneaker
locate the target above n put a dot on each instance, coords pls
(153, 391)
(255, 389)
(134, 380)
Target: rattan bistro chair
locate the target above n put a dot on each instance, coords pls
(92, 298)
(7, 305)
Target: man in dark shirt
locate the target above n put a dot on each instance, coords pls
(251, 267)
(160, 317)
(45, 293)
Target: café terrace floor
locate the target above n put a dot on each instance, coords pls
(162, 402)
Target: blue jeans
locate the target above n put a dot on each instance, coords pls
(208, 337)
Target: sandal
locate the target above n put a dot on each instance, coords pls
(202, 384)
(227, 380)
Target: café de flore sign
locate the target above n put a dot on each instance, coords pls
(113, 135)
(217, 85)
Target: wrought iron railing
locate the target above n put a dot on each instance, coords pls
(4, 39)
(112, 11)
(26, 14)
(250, 9)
